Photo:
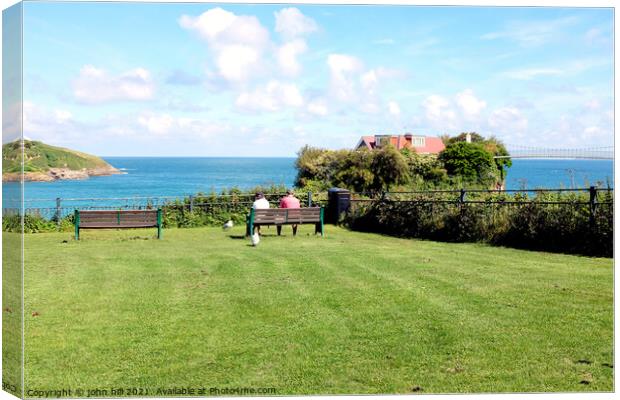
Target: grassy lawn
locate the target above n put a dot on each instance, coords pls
(348, 313)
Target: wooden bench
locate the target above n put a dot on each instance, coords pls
(285, 216)
(117, 219)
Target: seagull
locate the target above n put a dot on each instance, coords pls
(255, 239)
(228, 225)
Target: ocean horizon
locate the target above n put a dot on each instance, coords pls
(177, 177)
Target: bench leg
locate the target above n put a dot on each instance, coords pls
(279, 229)
(318, 228)
(294, 230)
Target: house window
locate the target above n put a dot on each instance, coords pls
(418, 141)
(381, 140)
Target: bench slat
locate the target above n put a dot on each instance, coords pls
(97, 225)
(117, 219)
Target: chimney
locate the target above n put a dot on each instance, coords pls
(468, 137)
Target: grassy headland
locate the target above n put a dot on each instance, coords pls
(46, 163)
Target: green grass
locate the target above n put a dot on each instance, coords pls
(347, 313)
(11, 312)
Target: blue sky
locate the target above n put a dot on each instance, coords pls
(153, 79)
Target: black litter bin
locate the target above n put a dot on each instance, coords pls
(339, 201)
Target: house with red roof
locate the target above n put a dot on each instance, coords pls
(421, 144)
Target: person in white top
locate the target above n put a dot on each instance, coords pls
(260, 202)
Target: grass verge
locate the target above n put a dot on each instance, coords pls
(348, 313)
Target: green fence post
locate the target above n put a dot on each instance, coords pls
(159, 223)
(58, 212)
(76, 221)
(251, 222)
(321, 221)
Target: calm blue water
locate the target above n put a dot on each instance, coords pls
(554, 174)
(157, 177)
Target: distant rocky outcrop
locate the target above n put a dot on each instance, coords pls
(45, 163)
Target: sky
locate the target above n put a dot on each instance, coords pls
(171, 79)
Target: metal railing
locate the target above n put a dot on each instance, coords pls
(64, 207)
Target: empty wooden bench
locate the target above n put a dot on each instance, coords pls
(117, 219)
(285, 216)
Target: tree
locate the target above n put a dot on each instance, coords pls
(389, 168)
(307, 164)
(497, 148)
(493, 146)
(470, 161)
(356, 171)
(462, 137)
(424, 169)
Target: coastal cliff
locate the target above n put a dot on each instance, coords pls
(45, 163)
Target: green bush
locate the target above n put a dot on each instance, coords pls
(35, 223)
(530, 224)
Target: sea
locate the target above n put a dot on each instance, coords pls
(172, 177)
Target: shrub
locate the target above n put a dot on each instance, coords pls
(530, 224)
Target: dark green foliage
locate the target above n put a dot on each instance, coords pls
(356, 171)
(470, 161)
(35, 223)
(492, 145)
(425, 171)
(533, 225)
(389, 168)
(378, 170)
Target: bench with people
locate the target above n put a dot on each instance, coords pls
(290, 212)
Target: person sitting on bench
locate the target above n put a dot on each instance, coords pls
(289, 201)
(260, 202)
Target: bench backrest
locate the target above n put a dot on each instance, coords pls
(287, 215)
(120, 218)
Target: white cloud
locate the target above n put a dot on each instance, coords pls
(369, 81)
(343, 70)
(274, 96)
(49, 124)
(11, 122)
(238, 42)
(593, 132)
(526, 74)
(95, 86)
(62, 116)
(469, 104)
(157, 124)
(437, 107)
(509, 122)
(532, 33)
(394, 108)
(370, 107)
(592, 105)
(287, 56)
(235, 62)
(291, 23)
(318, 108)
(573, 67)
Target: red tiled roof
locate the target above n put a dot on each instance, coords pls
(433, 145)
